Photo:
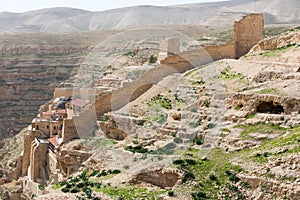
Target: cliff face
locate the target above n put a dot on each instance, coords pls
(31, 66)
(28, 76)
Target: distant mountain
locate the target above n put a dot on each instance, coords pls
(217, 13)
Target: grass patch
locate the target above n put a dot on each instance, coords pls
(251, 116)
(226, 130)
(130, 192)
(227, 75)
(261, 128)
(270, 91)
(209, 176)
(292, 138)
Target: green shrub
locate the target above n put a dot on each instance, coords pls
(190, 161)
(171, 193)
(199, 195)
(162, 101)
(74, 190)
(152, 59)
(198, 141)
(188, 176)
(178, 162)
(65, 190)
(116, 171)
(136, 149)
(41, 187)
(213, 177)
(234, 178)
(228, 172)
(94, 173)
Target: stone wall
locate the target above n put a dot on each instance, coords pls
(63, 92)
(247, 33)
(52, 162)
(222, 51)
(28, 139)
(69, 130)
(38, 161)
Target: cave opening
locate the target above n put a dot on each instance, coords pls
(269, 108)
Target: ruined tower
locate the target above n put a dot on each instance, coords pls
(247, 32)
(168, 47)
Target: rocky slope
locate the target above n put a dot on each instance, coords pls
(226, 130)
(216, 13)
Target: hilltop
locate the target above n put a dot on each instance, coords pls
(216, 14)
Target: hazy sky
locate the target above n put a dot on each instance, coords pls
(26, 5)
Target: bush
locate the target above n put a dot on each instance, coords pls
(80, 185)
(190, 161)
(41, 187)
(171, 193)
(136, 149)
(199, 195)
(94, 173)
(103, 173)
(116, 171)
(228, 172)
(98, 185)
(178, 162)
(152, 59)
(65, 190)
(188, 176)
(234, 178)
(74, 190)
(213, 177)
(198, 141)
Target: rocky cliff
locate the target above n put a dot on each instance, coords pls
(31, 66)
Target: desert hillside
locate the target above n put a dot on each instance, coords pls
(223, 129)
(217, 13)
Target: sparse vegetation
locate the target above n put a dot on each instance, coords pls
(85, 183)
(270, 91)
(162, 101)
(261, 128)
(152, 59)
(41, 187)
(198, 141)
(227, 75)
(226, 130)
(209, 176)
(136, 149)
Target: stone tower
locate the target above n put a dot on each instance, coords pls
(168, 47)
(247, 33)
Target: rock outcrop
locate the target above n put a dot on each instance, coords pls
(277, 42)
(161, 177)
